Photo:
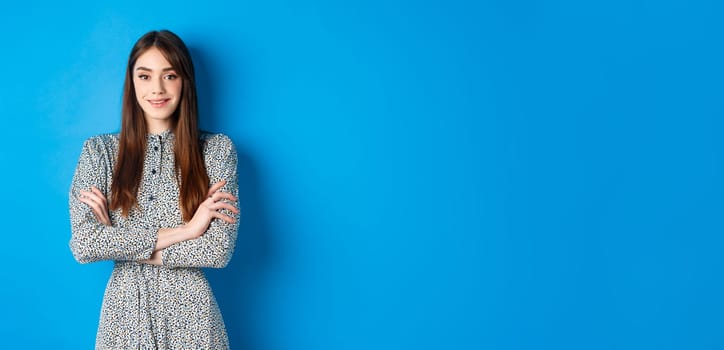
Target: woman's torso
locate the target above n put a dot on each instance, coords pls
(149, 306)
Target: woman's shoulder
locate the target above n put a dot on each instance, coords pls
(101, 142)
(219, 154)
(216, 142)
(104, 138)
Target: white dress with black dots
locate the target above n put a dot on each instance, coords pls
(147, 306)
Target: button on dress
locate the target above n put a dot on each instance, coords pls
(147, 306)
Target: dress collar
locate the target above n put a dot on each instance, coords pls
(163, 136)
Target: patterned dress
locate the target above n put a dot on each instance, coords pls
(147, 306)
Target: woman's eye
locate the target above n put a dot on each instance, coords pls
(171, 77)
(143, 77)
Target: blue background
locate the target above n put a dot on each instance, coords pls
(414, 174)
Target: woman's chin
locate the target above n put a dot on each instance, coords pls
(155, 115)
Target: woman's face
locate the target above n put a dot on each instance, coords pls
(158, 89)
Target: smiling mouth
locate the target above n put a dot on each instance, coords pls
(159, 103)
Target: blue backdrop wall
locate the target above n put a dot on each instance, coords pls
(414, 174)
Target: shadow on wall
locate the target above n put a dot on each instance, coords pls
(237, 287)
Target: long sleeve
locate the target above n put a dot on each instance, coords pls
(216, 246)
(90, 240)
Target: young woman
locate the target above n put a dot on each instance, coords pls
(159, 199)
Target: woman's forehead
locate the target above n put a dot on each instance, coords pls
(152, 60)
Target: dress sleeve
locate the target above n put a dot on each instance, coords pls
(216, 246)
(90, 240)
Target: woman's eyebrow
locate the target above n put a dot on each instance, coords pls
(151, 70)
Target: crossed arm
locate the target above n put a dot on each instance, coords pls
(201, 242)
(208, 210)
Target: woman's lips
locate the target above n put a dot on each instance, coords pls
(159, 103)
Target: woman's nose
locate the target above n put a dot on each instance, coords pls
(157, 88)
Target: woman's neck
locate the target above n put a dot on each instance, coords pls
(157, 126)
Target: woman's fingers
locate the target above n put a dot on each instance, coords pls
(91, 196)
(90, 199)
(98, 208)
(96, 197)
(215, 187)
(98, 212)
(105, 218)
(223, 205)
(98, 204)
(89, 202)
(222, 195)
(224, 217)
(216, 207)
(217, 203)
(98, 193)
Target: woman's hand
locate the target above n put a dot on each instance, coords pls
(156, 258)
(98, 203)
(210, 209)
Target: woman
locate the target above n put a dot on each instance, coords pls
(143, 199)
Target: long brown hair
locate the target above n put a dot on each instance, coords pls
(194, 182)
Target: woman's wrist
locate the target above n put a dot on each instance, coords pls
(170, 236)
